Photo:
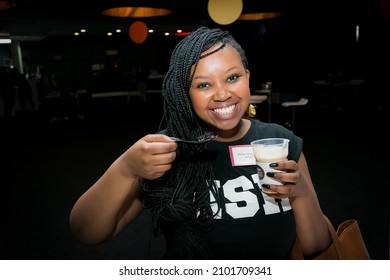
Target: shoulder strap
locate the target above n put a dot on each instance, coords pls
(335, 239)
(334, 251)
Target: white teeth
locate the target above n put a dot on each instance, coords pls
(225, 111)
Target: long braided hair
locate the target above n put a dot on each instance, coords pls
(180, 200)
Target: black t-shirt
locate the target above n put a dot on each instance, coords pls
(250, 224)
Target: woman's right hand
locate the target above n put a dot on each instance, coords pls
(149, 158)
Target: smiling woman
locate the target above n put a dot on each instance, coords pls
(206, 205)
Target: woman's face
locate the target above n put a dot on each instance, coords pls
(219, 90)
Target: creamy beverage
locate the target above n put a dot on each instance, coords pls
(267, 151)
(270, 153)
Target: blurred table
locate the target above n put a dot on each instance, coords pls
(257, 99)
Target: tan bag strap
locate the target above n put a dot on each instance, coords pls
(335, 239)
(335, 246)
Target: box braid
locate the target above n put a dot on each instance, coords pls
(180, 200)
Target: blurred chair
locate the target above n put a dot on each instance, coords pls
(301, 102)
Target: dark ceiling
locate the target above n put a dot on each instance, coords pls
(33, 20)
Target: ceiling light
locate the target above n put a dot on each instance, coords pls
(224, 11)
(265, 9)
(136, 12)
(138, 32)
(260, 16)
(136, 9)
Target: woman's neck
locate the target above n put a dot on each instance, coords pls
(234, 134)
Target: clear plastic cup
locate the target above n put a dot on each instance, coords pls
(266, 151)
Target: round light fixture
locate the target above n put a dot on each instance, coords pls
(224, 12)
(138, 32)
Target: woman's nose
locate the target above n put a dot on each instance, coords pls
(222, 93)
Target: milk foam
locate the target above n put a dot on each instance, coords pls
(270, 153)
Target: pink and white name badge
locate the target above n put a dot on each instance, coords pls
(241, 155)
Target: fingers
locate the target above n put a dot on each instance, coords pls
(150, 157)
(290, 173)
(289, 177)
(288, 166)
(157, 138)
(159, 144)
(159, 151)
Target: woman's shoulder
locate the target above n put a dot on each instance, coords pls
(269, 128)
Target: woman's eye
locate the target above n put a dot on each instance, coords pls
(203, 85)
(233, 78)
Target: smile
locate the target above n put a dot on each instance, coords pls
(225, 111)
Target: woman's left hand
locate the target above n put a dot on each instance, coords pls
(291, 178)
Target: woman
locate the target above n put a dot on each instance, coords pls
(206, 207)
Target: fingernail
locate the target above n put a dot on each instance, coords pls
(274, 164)
(270, 174)
(265, 186)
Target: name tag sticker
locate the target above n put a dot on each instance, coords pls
(241, 155)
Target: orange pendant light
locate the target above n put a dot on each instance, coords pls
(138, 32)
